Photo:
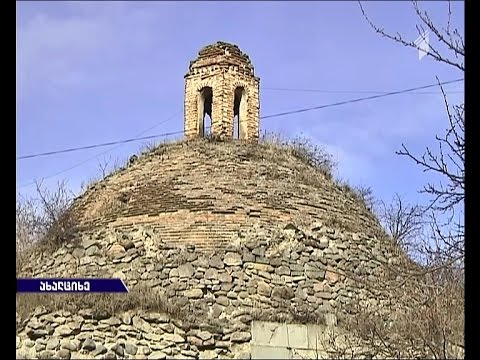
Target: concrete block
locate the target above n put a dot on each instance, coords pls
(269, 333)
(269, 352)
(297, 336)
(317, 336)
(303, 354)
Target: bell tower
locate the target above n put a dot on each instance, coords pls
(221, 94)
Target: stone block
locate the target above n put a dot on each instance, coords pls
(269, 352)
(297, 336)
(269, 333)
(303, 354)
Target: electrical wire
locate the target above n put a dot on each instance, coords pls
(103, 152)
(262, 117)
(357, 100)
(137, 138)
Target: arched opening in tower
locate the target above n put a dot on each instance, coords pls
(205, 98)
(240, 114)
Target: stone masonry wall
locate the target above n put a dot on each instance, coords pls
(211, 230)
(222, 67)
(287, 275)
(271, 340)
(128, 335)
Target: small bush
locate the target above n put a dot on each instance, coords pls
(44, 223)
(148, 147)
(362, 193)
(139, 297)
(311, 154)
(303, 149)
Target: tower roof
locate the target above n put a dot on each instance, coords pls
(222, 54)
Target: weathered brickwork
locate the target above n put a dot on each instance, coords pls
(224, 233)
(203, 193)
(225, 70)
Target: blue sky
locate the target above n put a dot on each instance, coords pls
(93, 72)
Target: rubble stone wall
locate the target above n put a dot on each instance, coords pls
(290, 275)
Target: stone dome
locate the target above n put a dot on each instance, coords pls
(215, 240)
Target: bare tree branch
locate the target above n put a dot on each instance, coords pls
(403, 222)
(428, 321)
(455, 45)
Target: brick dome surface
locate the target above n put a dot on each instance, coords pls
(210, 238)
(203, 194)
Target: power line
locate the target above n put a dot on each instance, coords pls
(262, 117)
(354, 92)
(104, 152)
(98, 145)
(358, 100)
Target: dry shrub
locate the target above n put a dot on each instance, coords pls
(43, 223)
(362, 193)
(424, 320)
(302, 149)
(148, 147)
(139, 297)
(29, 229)
(434, 323)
